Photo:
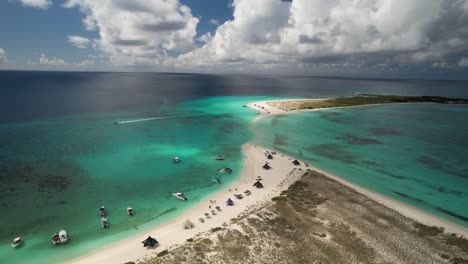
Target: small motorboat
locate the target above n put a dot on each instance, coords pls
(216, 180)
(16, 242)
(63, 237)
(102, 211)
(176, 159)
(219, 158)
(104, 222)
(55, 239)
(225, 170)
(180, 196)
(130, 210)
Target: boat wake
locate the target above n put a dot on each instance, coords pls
(152, 118)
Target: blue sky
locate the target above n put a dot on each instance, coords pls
(334, 37)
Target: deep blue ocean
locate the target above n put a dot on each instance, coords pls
(62, 156)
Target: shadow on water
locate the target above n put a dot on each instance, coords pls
(334, 152)
(353, 140)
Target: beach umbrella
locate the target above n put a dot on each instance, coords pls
(229, 202)
(218, 208)
(207, 214)
(149, 242)
(188, 224)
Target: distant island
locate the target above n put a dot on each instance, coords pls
(362, 99)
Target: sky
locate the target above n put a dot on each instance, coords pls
(365, 38)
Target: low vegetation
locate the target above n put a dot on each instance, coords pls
(365, 99)
(318, 220)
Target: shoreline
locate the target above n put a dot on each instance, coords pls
(172, 233)
(266, 109)
(279, 178)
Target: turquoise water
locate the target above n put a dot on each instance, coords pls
(413, 153)
(56, 173)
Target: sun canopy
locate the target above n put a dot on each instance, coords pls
(258, 184)
(149, 242)
(229, 202)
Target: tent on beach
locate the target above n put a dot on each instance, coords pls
(188, 225)
(229, 202)
(266, 166)
(295, 162)
(150, 242)
(258, 184)
(269, 156)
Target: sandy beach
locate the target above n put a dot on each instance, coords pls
(282, 174)
(275, 180)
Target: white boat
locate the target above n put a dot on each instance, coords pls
(175, 159)
(130, 210)
(180, 196)
(102, 211)
(55, 239)
(63, 237)
(219, 158)
(104, 222)
(16, 242)
(225, 170)
(216, 180)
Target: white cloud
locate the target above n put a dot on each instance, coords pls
(39, 4)
(463, 62)
(78, 41)
(3, 57)
(44, 60)
(214, 22)
(306, 34)
(140, 31)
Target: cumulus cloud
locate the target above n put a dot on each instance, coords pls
(3, 57)
(140, 31)
(214, 22)
(463, 62)
(44, 60)
(79, 42)
(340, 34)
(39, 4)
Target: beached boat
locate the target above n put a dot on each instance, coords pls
(216, 180)
(176, 159)
(180, 196)
(104, 222)
(219, 158)
(102, 211)
(225, 170)
(130, 210)
(63, 236)
(16, 242)
(55, 239)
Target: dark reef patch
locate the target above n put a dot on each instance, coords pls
(392, 175)
(439, 165)
(280, 140)
(335, 117)
(333, 151)
(353, 140)
(380, 131)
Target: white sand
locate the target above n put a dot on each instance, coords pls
(279, 178)
(282, 174)
(406, 210)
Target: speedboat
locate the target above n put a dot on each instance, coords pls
(130, 210)
(55, 239)
(225, 170)
(63, 237)
(219, 158)
(216, 180)
(102, 211)
(180, 196)
(16, 242)
(104, 222)
(175, 159)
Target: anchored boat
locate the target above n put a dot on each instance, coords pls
(180, 196)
